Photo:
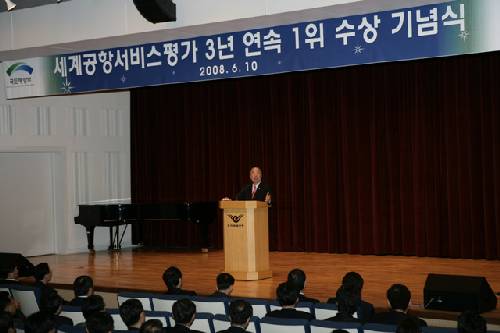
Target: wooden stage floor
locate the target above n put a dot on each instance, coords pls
(142, 270)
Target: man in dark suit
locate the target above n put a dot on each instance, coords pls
(6, 323)
(399, 298)
(9, 274)
(297, 279)
(39, 322)
(12, 307)
(346, 305)
(83, 287)
(288, 298)
(51, 303)
(225, 282)
(256, 190)
(240, 313)
(132, 314)
(99, 322)
(92, 305)
(353, 283)
(471, 322)
(173, 280)
(184, 312)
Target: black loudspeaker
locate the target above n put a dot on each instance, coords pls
(24, 266)
(156, 10)
(458, 293)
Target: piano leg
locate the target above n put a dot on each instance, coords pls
(90, 237)
(111, 239)
(205, 243)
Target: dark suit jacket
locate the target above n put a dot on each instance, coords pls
(303, 298)
(260, 194)
(394, 318)
(12, 282)
(344, 317)
(180, 329)
(178, 291)
(61, 320)
(365, 310)
(219, 294)
(77, 301)
(234, 329)
(291, 314)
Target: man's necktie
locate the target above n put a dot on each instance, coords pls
(254, 189)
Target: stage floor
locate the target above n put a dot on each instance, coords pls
(142, 270)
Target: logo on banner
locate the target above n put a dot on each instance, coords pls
(235, 218)
(20, 74)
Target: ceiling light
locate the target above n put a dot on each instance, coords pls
(10, 5)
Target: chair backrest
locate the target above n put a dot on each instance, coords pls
(260, 307)
(5, 288)
(164, 303)
(119, 325)
(280, 325)
(301, 306)
(74, 313)
(222, 322)
(68, 329)
(211, 305)
(327, 326)
(203, 322)
(145, 299)
(440, 330)
(161, 316)
(379, 328)
(28, 297)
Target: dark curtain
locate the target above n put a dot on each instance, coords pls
(394, 158)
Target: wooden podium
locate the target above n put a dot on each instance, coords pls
(246, 245)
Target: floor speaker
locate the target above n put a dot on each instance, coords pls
(458, 293)
(156, 11)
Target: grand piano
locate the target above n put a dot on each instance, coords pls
(117, 214)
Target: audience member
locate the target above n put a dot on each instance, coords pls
(11, 306)
(39, 322)
(288, 297)
(297, 279)
(151, 326)
(184, 312)
(471, 322)
(132, 314)
(91, 305)
(43, 275)
(225, 283)
(240, 313)
(173, 280)
(346, 305)
(9, 274)
(83, 287)
(409, 325)
(353, 283)
(399, 298)
(6, 323)
(51, 303)
(99, 322)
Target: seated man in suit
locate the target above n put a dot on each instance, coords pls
(83, 286)
(399, 298)
(173, 280)
(288, 297)
(92, 305)
(11, 306)
(184, 312)
(10, 274)
(99, 322)
(240, 313)
(51, 303)
(471, 322)
(297, 279)
(256, 190)
(409, 325)
(152, 326)
(132, 314)
(39, 322)
(225, 283)
(353, 282)
(347, 303)
(43, 275)
(6, 323)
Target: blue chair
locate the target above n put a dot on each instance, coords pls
(145, 299)
(301, 306)
(213, 305)
(203, 322)
(222, 322)
(280, 325)
(5, 287)
(28, 296)
(379, 328)
(164, 302)
(164, 317)
(70, 329)
(327, 326)
(119, 325)
(260, 306)
(439, 330)
(324, 311)
(74, 313)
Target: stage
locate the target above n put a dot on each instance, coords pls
(141, 270)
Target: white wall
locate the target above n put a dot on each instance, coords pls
(90, 137)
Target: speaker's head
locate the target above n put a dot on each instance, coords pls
(156, 11)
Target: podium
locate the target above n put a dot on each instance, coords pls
(246, 245)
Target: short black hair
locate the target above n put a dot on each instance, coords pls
(82, 285)
(353, 282)
(6, 322)
(347, 302)
(287, 294)
(224, 281)
(39, 322)
(99, 322)
(297, 278)
(50, 302)
(130, 311)
(399, 296)
(7, 268)
(152, 326)
(92, 304)
(409, 325)
(471, 322)
(172, 276)
(183, 310)
(5, 300)
(41, 270)
(240, 311)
